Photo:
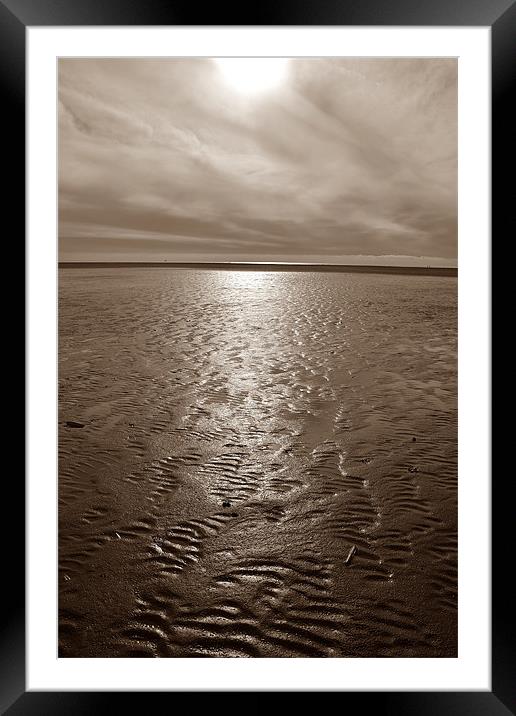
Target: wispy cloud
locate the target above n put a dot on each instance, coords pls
(347, 157)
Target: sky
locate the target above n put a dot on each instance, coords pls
(338, 161)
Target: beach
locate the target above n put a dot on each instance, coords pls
(257, 463)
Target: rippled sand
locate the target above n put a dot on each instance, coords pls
(266, 465)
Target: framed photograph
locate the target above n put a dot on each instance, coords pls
(258, 307)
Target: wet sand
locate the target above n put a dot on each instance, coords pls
(257, 464)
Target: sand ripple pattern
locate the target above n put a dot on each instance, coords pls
(267, 464)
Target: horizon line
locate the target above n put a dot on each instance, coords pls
(271, 265)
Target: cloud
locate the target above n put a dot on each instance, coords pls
(347, 157)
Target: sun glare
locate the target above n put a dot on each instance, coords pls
(251, 75)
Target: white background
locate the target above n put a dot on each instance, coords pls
(471, 670)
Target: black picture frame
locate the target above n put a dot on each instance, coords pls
(500, 16)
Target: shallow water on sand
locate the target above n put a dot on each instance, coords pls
(267, 464)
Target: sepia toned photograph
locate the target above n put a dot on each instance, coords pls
(257, 357)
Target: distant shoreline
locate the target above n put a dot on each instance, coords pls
(243, 266)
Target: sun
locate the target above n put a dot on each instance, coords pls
(252, 75)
